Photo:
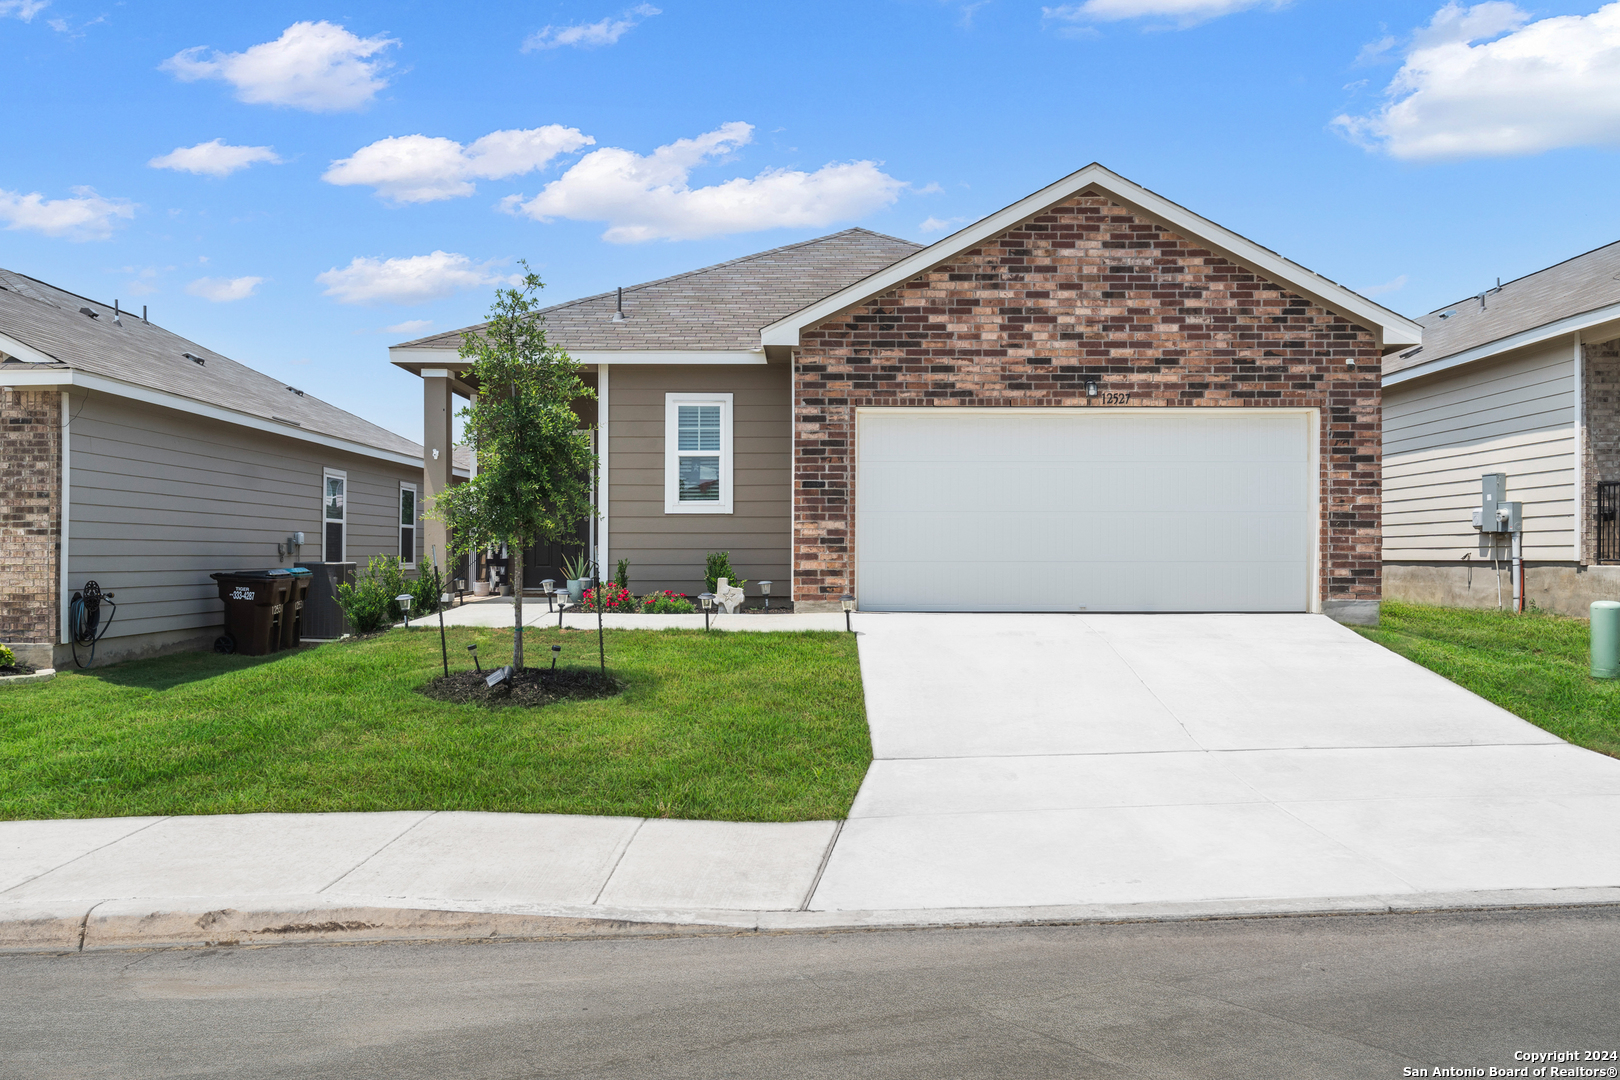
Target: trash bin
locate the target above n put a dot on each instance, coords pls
(292, 617)
(255, 604)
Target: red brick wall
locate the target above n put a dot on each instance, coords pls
(30, 512)
(1086, 291)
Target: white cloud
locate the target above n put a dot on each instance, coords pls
(22, 9)
(419, 168)
(1526, 87)
(648, 198)
(409, 326)
(223, 290)
(413, 280)
(1395, 285)
(590, 35)
(313, 65)
(86, 216)
(214, 158)
(934, 224)
(1184, 13)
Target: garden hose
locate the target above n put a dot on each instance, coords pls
(84, 619)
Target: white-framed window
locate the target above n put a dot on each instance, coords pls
(334, 514)
(697, 454)
(409, 513)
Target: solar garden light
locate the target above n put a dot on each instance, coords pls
(708, 602)
(765, 590)
(556, 651)
(473, 648)
(848, 602)
(549, 587)
(404, 602)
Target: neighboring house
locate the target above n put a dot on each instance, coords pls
(1521, 379)
(1093, 399)
(144, 462)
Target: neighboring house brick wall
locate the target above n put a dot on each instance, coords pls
(30, 514)
(1086, 290)
(1601, 384)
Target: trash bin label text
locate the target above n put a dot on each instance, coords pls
(242, 593)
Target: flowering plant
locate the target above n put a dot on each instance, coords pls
(612, 598)
(666, 603)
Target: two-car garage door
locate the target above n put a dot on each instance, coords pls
(1092, 509)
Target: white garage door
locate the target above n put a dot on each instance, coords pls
(1092, 509)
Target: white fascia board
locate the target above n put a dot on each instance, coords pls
(1534, 336)
(101, 384)
(604, 356)
(426, 356)
(21, 350)
(1397, 330)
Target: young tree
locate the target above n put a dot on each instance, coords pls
(535, 463)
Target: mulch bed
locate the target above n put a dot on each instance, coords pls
(530, 688)
(16, 669)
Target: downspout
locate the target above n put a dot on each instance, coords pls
(62, 532)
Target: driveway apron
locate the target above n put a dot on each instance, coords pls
(1034, 760)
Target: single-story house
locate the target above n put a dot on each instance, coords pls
(143, 461)
(1521, 379)
(1091, 400)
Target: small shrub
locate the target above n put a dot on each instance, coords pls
(369, 603)
(719, 566)
(424, 593)
(666, 603)
(7, 657)
(621, 574)
(614, 598)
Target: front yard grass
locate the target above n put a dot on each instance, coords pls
(1534, 665)
(728, 726)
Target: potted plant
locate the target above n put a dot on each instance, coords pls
(578, 573)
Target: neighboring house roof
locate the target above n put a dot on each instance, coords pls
(718, 308)
(1394, 330)
(1562, 299)
(43, 328)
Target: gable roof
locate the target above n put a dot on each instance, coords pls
(44, 328)
(1395, 331)
(716, 308)
(1572, 295)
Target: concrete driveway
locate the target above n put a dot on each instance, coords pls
(1055, 760)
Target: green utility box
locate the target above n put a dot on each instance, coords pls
(1605, 639)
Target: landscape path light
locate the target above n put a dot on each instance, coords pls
(708, 602)
(765, 590)
(473, 648)
(404, 602)
(549, 587)
(556, 651)
(848, 602)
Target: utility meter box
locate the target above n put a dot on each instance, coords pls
(1492, 496)
(1510, 515)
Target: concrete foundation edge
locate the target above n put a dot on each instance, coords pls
(1561, 588)
(132, 924)
(1352, 612)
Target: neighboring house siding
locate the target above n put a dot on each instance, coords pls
(1515, 416)
(160, 499)
(1087, 291)
(666, 551)
(30, 516)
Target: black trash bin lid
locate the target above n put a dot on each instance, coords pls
(251, 575)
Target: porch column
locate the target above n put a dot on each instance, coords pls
(437, 458)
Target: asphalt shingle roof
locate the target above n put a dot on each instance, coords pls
(146, 355)
(719, 307)
(1575, 286)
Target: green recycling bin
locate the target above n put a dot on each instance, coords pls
(1605, 639)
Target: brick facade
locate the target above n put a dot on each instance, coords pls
(1601, 445)
(1087, 291)
(30, 513)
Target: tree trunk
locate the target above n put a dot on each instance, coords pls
(516, 564)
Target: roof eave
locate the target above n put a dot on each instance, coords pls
(1536, 335)
(1394, 331)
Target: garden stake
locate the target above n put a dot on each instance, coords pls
(438, 590)
(601, 646)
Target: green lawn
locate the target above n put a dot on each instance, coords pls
(737, 727)
(1534, 665)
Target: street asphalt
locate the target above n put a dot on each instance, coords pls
(1314, 997)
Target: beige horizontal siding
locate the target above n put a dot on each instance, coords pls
(1515, 416)
(160, 499)
(666, 551)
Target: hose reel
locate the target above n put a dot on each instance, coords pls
(85, 627)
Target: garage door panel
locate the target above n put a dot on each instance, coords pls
(1179, 510)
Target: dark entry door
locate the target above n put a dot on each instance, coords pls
(545, 560)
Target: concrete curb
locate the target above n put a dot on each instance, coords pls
(42, 675)
(181, 922)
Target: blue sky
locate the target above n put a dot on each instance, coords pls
(300, 185)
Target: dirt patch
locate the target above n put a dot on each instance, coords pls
(529, 688)
(16, 669)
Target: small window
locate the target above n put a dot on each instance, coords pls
(697, 453)
(334, 514)
(407, 524)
